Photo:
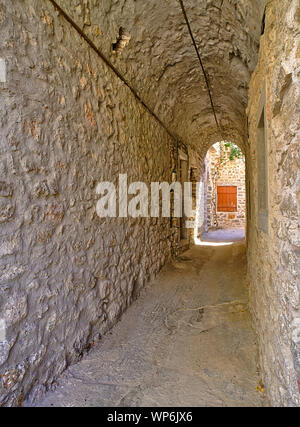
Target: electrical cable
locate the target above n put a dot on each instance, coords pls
(202, 67)
(111, 66)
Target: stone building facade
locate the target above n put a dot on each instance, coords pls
(273, 166)
(225, 173)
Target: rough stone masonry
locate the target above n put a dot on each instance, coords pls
(273, 253)
(67, 123)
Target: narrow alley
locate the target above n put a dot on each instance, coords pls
(149, 203)
(187, 341)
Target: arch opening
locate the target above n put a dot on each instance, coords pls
(221, 208)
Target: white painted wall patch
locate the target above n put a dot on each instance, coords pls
(2, 70)
(2, 330)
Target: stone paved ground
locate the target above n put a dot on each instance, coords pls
(187, 341)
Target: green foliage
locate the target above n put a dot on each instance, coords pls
(235, 151)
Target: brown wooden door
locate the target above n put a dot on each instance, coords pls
(227, 199)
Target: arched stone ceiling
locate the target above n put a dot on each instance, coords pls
(161, 64)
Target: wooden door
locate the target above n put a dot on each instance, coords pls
(227, 198)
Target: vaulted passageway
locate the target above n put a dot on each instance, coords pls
(102, 91)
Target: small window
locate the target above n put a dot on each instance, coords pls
(263, 23)
(249, 207)
(262, 174)
(227, 198)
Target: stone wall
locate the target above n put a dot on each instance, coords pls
(273, 253)
(67, 122)
(197, 178)
(228, 172)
